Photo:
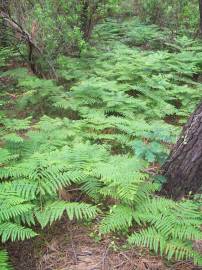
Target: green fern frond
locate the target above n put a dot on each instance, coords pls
(91, 186)
(13, 138)
(6, 156)
(15, 232)
(144, 192)
(180, 250)
(7, 213)
(25, 188)
(4, 261)
(120, 217)
(186, 232)
(17, 124)
(149, 238)
(55, 210)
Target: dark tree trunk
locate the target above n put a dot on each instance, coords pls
(200, 11)
(87, 19)
(4, 6)
(183, 168)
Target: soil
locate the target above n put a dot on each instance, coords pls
(69, 246)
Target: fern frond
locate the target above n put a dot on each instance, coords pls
(120, 217)
(92, 187)
(7, 213)
(17, 124)
(55, 210)
(6, 156)
(4, 261)
(15, 232)
(13, 138)
(25, 188)
(149, 238)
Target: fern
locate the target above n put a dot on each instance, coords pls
(13, 138)
(152, 239)
(116, 100)
(15, 232)
(4, 264)
(54, 211)
(17, 124)
(149, 238)
(171, 226)
(30, 187)
(120, 218)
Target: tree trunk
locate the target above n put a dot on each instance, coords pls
(200, 11)
(87, 22)
(4, 6)
(183, 168)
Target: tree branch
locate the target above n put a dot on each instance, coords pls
(28, 39)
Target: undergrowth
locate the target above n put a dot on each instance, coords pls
(113, 114)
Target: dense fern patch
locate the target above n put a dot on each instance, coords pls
(100, 128)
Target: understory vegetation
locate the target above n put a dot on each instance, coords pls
(103, 128)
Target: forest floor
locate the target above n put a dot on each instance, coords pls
(69, 246)
(72, 246)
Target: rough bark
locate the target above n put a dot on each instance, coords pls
(183, 168)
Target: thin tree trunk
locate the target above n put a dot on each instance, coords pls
(200, 11)
(183, 168)
(87, 16)
(85, 19)
(4, 6)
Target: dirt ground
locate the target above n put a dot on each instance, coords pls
(68, 246)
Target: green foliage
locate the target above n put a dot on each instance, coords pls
(117, 113)
(153, 151)
(33, 92)
(170, 227)
(182, 14)
(4, 55)
(55, 210)
(131, 32)
(60, 27)
(4, 265)
(44, 167)
(37, 176)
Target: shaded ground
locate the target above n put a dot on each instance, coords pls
(70, 247)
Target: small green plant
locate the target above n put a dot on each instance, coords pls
(152, 152)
